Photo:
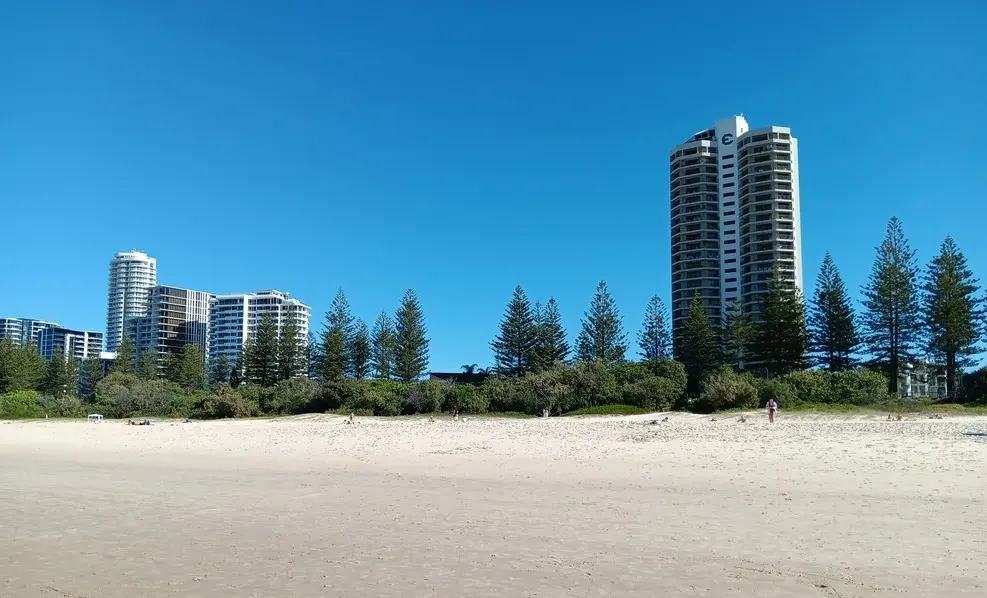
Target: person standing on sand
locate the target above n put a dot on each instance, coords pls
(772, 407)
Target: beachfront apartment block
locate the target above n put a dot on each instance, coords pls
(132, 274)
(23, 331)
(734, 200)
(78, 344)
(233, 319)
(175, 317)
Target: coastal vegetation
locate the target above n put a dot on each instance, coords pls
(821, 353)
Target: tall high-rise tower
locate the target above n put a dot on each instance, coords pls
(735, 217)
(132, 274)
(175, 317)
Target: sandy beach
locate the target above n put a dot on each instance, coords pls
(311, 506)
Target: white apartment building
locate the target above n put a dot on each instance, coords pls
(175, 317)
(132, 274)
(234, 318)
(23, 331)
(734, 195)
(78, 344)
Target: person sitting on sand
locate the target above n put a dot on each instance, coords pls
(772, 407)
(742, 420)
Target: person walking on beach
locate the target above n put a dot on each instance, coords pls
(772, 407)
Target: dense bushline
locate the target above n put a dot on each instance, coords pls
(585, 387)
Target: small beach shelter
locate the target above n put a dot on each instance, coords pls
(94, 418)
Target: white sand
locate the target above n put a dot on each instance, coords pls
(312, 507)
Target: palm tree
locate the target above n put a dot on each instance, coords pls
(469, 369)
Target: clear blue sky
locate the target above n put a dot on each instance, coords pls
(459, 148)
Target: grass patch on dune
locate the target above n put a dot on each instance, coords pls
(822, 408)
(609, 410)
(891, 406)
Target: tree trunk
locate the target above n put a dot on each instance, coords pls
(950, 374)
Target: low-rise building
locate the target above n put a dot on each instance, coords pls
(919, 380)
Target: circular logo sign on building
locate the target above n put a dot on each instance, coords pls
(727, 139)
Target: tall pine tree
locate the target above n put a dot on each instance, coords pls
(518, 337)
(124, 362)
(952, 309)
(360, 351)
(312, 355)
(219, 372)
(698, 349)
(91, 372)
(602, 336)
(238, 372)
(21, 368)
(655, 338)
(892, 319)
(337, 336)
(410, 340)
(147, 366)
(551, 347)
(291, 350)
(261, 359)
(832, 330)
(780, 341)
(737, 335)
(382, 347)
(59, 380)
(190, 369)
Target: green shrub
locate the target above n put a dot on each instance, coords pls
(423, 397)
(63, 406)
(252, 396)
(674, 372)
(227, 402)
(861, 387)
(291, 397)
(20, 404)
(776, 389)
(726, 389)
(652, 393)
(125, 395)
(465, 398)
(810, 386)
(375, 400)
(186, 405)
